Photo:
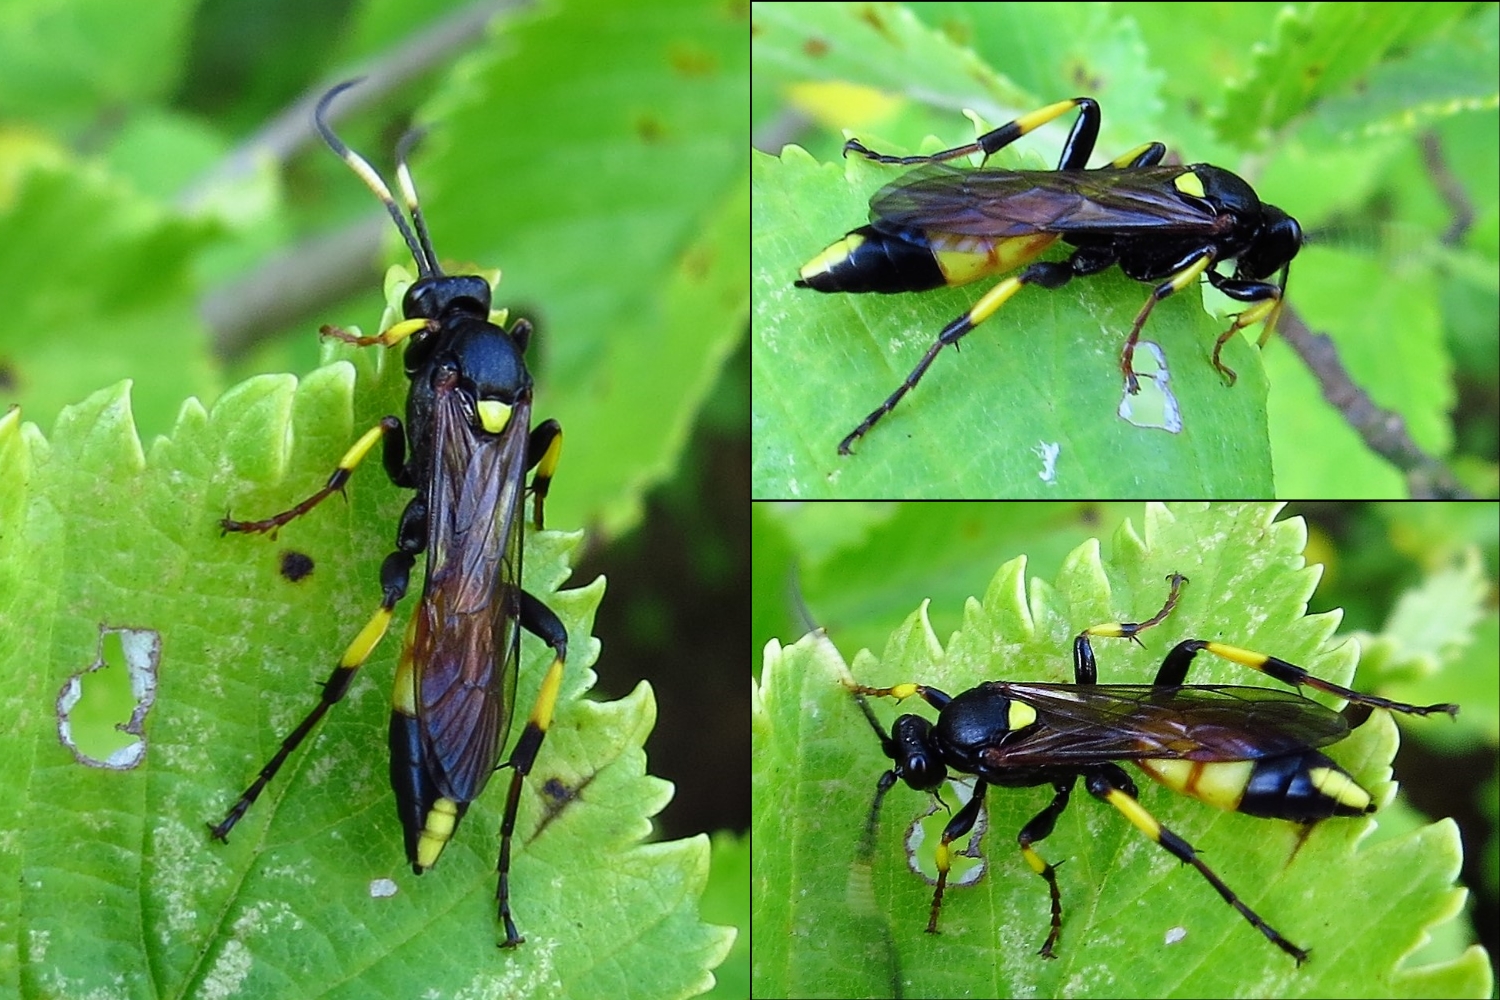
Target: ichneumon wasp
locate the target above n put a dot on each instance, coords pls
(465, 448)
(942, 224)
(1244, 749)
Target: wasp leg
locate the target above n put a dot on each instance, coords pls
(1108, 783)
(1085, 670)
(542, 453)
(1265, 304)
(1047, 274)
(1037, 829)
(1186, 271)
(395, 575)
(937, 699)
(389, 337)
(539, 620)
(394, 459)
(1174, 670)
(1145, 155)
(1075, 154)
(961, 823)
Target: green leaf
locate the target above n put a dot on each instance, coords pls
(830, 924)
(311, 896)
(71, 57)
(1318, 52)
(114, 300)
(727, 901)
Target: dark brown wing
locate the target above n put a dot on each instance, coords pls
(1093, 724)
(471, 599)
(940, 198)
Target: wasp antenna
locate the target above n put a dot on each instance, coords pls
(421, 252)
(409, 194)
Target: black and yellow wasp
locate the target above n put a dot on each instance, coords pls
(465, 449)
(943, 224)
(1246, 749)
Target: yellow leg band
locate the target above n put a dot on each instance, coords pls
(1190, 274)
(400, 331)
(1136, 813)
(993, 300)
(1042, 116)
(546, 699)
(361, 448)
(548, 465)
(1235, 654)
(369, 637)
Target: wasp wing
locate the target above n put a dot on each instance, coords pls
(943, 199)
(468, 642)
(1095, 724)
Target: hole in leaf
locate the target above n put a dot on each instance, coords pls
(1155, 405)
(967, 864)
(1047, 452)
(101, 710)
